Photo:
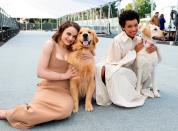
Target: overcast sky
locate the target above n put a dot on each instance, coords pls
(47, 8)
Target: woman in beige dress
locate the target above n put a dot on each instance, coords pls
(52, 100)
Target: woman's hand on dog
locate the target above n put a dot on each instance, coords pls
(139, 46)
(151, 48)
(71, 72)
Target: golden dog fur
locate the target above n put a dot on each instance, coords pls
(83, 85)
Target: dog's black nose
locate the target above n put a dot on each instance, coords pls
(85, 35)
(164, 33)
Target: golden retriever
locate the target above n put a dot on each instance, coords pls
(83, 85)
(145, 63)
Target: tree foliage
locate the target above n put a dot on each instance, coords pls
(142, 7)
(129, 6)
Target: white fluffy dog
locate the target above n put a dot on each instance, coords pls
(145, 62)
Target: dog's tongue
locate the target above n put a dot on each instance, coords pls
(85, 43)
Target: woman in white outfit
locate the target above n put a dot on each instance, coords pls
(115, 80)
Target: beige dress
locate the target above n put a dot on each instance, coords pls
(52, 100)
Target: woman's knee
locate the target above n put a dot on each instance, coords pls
(67, 108)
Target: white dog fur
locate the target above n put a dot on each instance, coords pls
(145, 63)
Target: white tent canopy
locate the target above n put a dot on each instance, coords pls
(47, 8)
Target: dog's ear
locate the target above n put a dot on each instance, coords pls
(95, 37)
(140, 26)
(146, 31)
(76, 44)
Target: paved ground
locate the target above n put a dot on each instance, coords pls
(18, 62)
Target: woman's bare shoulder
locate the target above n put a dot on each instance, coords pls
(49, 44)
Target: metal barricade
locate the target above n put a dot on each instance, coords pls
(8, 26)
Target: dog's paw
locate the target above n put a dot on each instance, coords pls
(147, 93)
(138, 89)
(88, 107)
(75, 109)
(156, 93)
(138, 92)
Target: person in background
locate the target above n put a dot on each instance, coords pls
(162, 22)
(155, 19)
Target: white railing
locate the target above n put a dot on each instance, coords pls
(107, 26)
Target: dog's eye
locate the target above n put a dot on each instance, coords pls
(155, 29)
(89, 32)
(80, 32)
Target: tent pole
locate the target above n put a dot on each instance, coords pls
(93, 11)
(41, 25)
(151, 7)
(26, 25)
(119, 7)
(82, 15)
(88, 15)
(57, 23)
(95, 14)
(90, 11)
(109, 10)
(101, 12)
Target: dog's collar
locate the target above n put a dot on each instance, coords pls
(145, 42)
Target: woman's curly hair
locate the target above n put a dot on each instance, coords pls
(128, 15)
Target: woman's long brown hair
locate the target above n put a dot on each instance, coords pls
(57, 35)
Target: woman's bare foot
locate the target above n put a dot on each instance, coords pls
(2, 114)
